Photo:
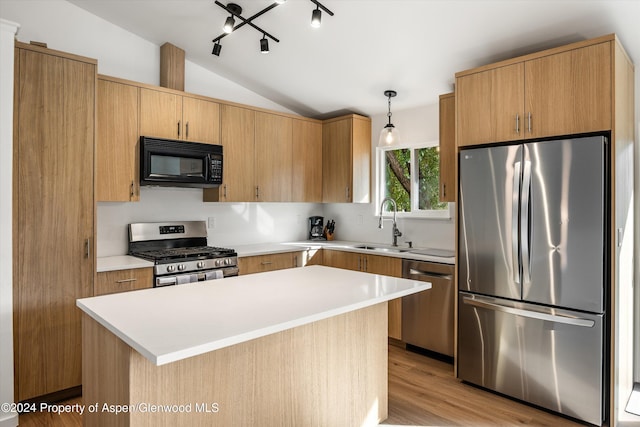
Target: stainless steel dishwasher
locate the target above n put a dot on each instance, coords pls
(427, 317)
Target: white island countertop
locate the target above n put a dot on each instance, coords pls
(176, 322)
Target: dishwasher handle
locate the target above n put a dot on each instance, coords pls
(429, 274)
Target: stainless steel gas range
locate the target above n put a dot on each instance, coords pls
(180, 252)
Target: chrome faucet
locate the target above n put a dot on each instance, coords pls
(396, 232)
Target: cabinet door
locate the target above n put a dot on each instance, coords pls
(490, 106)
(110, 282)
(361, 160)
(273, 151)
(336, 161)
(201, 120)
(307, 161)
(385, 265)
(238, 130)
(117, 158)
(160, 114)
(53, 218)
(448, 149)
(570, 92)
(269, 262)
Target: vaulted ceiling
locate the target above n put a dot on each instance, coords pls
(414, 47)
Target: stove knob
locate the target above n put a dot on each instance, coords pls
(200, 264)
(218, 262)
(181, 267)
(227, 261)
(171, 268)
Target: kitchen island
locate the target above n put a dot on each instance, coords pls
(304, 346)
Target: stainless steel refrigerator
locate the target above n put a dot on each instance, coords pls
(532, 248)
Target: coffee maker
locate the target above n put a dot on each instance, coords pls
(316, 228)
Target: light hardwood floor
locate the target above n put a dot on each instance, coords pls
(422, 392)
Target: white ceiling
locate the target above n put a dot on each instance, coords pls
(414, 47)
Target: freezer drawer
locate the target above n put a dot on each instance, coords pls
(549, 357)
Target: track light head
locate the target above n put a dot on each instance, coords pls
(217, 47)
(316, 18)
(264, 45)
(228, 25)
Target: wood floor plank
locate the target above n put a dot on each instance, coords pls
(422, 392)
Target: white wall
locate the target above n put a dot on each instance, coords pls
(7, 32)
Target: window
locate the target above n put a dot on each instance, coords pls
(416, 194)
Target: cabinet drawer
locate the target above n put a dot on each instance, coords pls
(110, 282)
(269, 262)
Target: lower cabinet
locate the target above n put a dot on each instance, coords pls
(111, 282)
(270, 262)
(376, 264)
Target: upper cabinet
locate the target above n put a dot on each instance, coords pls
(237, 139)
(562, 91)
(448, 148)
(273, 157)
(307, 161)
(165, 114)
(116, 142)
(346, 159)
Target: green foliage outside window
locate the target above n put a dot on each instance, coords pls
(398, 178)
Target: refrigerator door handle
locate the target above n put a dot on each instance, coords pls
(514, 222)
(524, 223)
(574, 321)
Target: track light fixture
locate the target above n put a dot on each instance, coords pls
(389, 134)
(217, 47)
(316, 18)
(235, 12)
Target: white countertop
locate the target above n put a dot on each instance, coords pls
(120, 262)
(176, 322)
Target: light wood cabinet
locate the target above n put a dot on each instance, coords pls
(117, 157)
(270, 262)
(448, 149)
(111, 282)
(237, 139)
(53, 217)
(563, 91)
(307, 161)
(273, 157)
(346, 159)
(167, 114)
(376, 264)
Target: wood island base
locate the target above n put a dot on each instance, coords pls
(331, 372)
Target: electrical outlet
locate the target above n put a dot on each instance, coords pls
(211, 222)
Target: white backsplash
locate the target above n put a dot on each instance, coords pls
(233, 223)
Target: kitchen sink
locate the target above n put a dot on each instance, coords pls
(382, 248)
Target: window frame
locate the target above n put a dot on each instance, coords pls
(380, 167)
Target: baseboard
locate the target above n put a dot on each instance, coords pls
(8, 420)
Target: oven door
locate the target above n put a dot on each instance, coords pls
(196, 276)
(165, 162)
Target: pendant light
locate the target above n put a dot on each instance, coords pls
(389, 134)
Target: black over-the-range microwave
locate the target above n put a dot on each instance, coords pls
(172, 163)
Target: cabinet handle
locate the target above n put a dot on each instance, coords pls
(366, 264)
(346, 190)
(87, 248)
(257, 192)
(178, 128)
(517, 124)
(444, 190)
(133, 279)
(225, 191)
(186, 130)
(529, 121)
(131, 191)
(266, 262)
(295, 260)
